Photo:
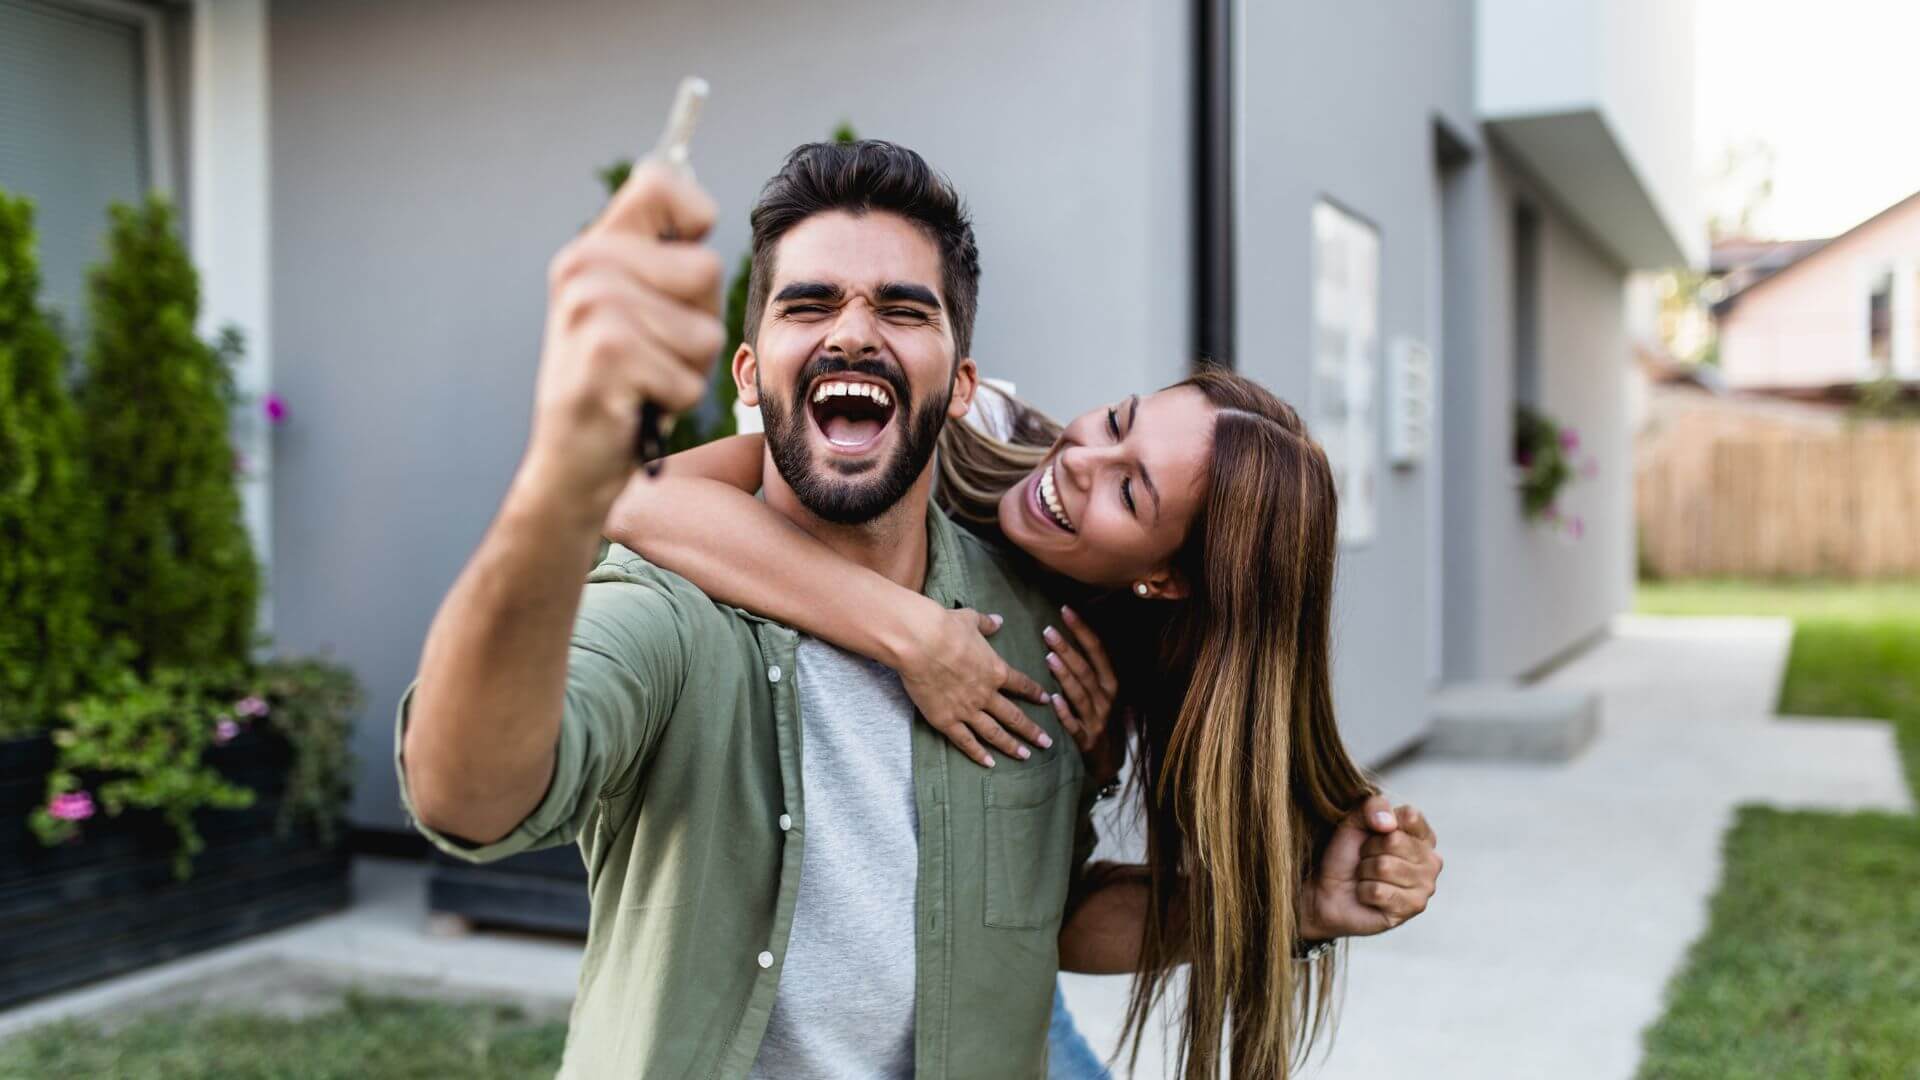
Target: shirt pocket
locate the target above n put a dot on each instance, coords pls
(1030, 824)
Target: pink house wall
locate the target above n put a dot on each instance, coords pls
(1807, 325)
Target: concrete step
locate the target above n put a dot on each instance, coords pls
(1510, 722)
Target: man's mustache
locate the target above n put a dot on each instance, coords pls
(827, 364)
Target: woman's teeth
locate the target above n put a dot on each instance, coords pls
(1050, 498)
(857, 389)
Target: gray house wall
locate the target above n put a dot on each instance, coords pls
(1339, 101)
(1519, 595)
(428, 159)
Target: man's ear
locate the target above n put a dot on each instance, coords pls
(746, 376)
(966, 379)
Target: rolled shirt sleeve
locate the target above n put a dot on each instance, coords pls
(626, 667)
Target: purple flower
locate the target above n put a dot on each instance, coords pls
(72, 806)
(1576, 527)
(1569, 440)
(276, 408)
(224, 731)
(253, 707)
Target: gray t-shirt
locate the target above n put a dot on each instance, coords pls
(844, 1007)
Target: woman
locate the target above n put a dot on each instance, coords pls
(1213, 597)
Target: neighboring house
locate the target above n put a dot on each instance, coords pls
(1823, 315)
(1406, 216)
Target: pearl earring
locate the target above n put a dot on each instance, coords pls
(1140, 588)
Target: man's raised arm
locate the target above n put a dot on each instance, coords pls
(631, 319)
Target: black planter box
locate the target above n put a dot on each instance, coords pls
(109, 904)
(542, 890)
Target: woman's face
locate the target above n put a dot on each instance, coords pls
(1114, 500)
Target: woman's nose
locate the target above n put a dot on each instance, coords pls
(1078, 464)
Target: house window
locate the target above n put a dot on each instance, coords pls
(1346, 335)
(1526, 305)
(80, 126)
(1880, 324)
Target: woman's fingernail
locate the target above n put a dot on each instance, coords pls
(1046, 741)
(1383, 819)
(1053, 662)
(1025, 753)
(1051, 635)
(1068, 612)
(987, 760)
(997, 621)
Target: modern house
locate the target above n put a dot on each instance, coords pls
(1813, 316)
(1406, 216)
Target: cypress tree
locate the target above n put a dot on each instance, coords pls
(178, 581)
(47, 652)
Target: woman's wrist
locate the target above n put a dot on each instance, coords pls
(902, 626)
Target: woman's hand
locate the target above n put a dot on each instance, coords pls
(965, 690)
(1085, 674)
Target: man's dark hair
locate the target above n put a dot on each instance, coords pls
(857, 177)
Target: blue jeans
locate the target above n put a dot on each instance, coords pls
(1068, 1055)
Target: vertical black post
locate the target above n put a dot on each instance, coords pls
(1213, 277)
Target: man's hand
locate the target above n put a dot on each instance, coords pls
(631, 319)
(1379, 870)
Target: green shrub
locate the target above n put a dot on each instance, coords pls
(47, 649)
(177, 581)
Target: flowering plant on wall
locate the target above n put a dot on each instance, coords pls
(1543, 457)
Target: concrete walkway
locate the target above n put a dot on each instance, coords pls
(1572, 891)
(1570, 895)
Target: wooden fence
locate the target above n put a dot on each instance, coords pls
(1843, 503)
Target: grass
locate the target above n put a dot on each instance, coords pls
(1810, 965)
(370, 1037)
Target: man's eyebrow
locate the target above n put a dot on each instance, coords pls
(1133, 414)
(809, 290)
(896, 291)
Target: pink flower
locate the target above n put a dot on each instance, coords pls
(72, 806)
(253, 707)
(224, 731)
(1576, 527)
(1569, 440)
(276, 408)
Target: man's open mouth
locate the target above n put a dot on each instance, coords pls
(851, 413)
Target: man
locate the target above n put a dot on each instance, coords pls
(663, 732)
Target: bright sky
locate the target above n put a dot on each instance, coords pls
(1830, 84)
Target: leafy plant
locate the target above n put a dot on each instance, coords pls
(141, 744)
(1543, 454)
(47, 647)
(143, 741)
(177, 581)
(312, 703)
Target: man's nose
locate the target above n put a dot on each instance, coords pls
(854, 331)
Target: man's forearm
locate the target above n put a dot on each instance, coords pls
(485, 718)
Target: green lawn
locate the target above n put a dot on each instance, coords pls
(1810, 966)
(368, 1038)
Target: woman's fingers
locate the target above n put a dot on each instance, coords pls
(990, 731)
(1014, 720)
(1076, 691)
(1096, 653)
(962, 737)
(1075, 729)
(1390, 870)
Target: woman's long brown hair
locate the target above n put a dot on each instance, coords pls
(1238, 760)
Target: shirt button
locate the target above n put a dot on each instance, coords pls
(786, 822)
(766, 959)
(773, 673)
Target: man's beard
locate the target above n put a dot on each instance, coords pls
(864, 490)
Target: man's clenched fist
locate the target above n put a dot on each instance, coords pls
(632, 318)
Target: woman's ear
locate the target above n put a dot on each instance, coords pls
(1168, 584)
(746, 376)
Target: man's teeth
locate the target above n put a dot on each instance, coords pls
(1050, 498)
(878, 394)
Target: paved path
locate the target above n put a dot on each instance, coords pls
(1572, 891)
(1570, 895)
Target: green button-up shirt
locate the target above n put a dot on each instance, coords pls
(678, 775)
